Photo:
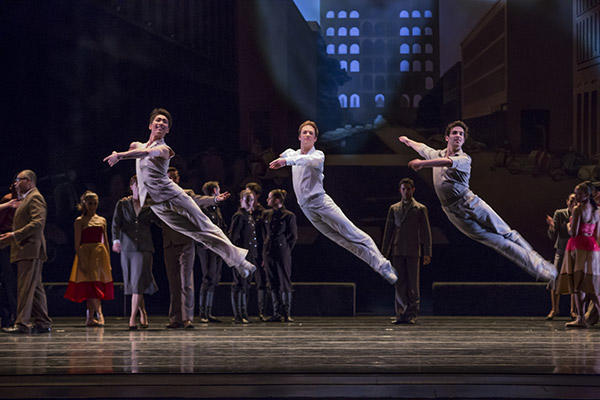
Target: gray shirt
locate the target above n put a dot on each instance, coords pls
(152, 177)
(307, 173)
(450, 183)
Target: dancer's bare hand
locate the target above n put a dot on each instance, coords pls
(6, 236)
(404, 139)
(222, 197)
(14, 203)
(550, 221)
(112, 159)
(426, 260)
(278, 163)
(415, 164)
(116, 247)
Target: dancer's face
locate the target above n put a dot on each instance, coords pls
(581, 195)
(134, 191)
(307, 136)
(159, 127)
(273, 201)
(456, 137)
(571, 202)
(247, 202)
(174, 176)
(91, 205)
(406, 191)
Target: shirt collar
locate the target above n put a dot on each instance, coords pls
(25, 195)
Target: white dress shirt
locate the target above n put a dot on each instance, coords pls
(307, 173)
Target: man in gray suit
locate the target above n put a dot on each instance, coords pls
(407, 237)
(28, 251)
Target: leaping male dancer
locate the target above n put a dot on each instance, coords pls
(470, 214)
(319, 208)
(168, 200)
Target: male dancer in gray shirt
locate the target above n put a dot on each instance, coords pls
(319, 208)
(169, 201)
(471, 215)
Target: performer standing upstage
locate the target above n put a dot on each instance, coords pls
(469, 214)
(168, 200)
(319, 208)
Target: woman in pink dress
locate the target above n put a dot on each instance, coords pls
(580, 272)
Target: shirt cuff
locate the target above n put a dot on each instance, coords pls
(116, 241)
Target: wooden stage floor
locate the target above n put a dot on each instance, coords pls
(361, 357)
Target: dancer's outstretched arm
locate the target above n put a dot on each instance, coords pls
(288, 158)
(137, 151)
(423, 150)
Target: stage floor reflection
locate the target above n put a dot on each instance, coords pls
(360, 345)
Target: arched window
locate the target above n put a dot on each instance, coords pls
(379, 65)
(379, 100)
(404, 48)
(379, 82)
(404, 66)
(428, 31)
(380, 28)
(429, 65)
(403, 14)
(416, 100)
(367, 47)
(404, 31)
(428, 48)
(367, 82)
(342, 31)
(416, 48)
(416, 14)
(354, 101)
(354, 48)
(342, 14)
(342, 49)
(405, 102)
(354, 31)
(330, 32)
(427, 14)
(344, 65)
(416, 31)
(429, 83)
(367, 28)
(379, 47)
(331, 49)
(354, 14)
(416, 65)
(343, 100)
(354, 66)
(330, 14)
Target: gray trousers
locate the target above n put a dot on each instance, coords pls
(179, 263)
(31, 296)
(477, 220)
(407, 295)
(329, 219)
(183, 215)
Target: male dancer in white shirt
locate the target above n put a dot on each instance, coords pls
(470, 214)
(169, 201)
(319, 208)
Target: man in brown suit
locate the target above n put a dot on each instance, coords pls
(28, 251)
(407, 237)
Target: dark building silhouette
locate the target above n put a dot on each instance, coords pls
(586, 54)
(451, 91)
(391, 53)
(517, 75)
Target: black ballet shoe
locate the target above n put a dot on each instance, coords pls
(133, 327)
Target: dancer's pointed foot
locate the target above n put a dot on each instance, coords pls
(245, 268)
(577, 323)
(551, 315)
(545, 271)
(388, 272)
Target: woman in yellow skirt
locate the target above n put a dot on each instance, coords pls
(91, 278)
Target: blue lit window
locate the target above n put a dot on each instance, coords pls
(342, 14)
(416, 14)
(404, 14)
(428, 31)
(428, 65)
(330, 32)
(354, 66)
(416, 100)
(344, 65)
(416, 65)
(354, 14)
(354, 101)
(429, 83)
(330, 14)
(416, 31)
(416, 48)
(343, 100)
(379, 100)
(404, 66)
(428, 14)
(354, 49)
(428, 48)
(342, 31)
(330, 49)
(404, 31)
(404, 49)
(342, 49)
(354, 31)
